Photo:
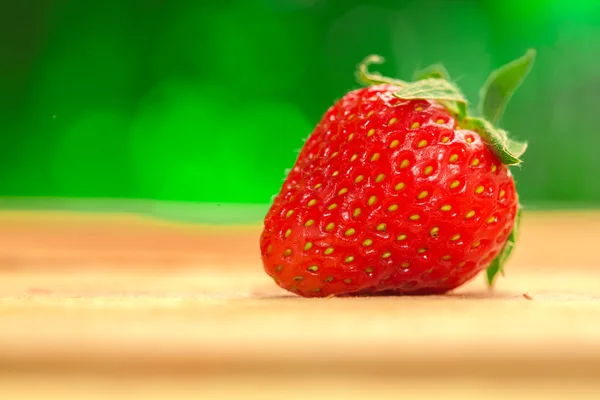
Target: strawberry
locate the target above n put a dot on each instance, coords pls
(399, 190)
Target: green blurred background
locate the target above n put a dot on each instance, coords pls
(209, 101)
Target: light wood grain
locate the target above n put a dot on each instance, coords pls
(102, 305)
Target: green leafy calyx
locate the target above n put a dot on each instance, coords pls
(433, 83)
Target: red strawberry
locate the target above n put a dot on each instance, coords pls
(398, 190)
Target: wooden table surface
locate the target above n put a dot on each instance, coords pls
(120, 306)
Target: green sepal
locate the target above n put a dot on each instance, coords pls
(497, 265)
(435, 89)
(373, 78)
(502, 84)
(458, 108)
(433, 84)
(431, 88)
(436, 71)
(508, 151)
